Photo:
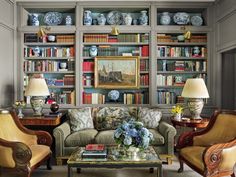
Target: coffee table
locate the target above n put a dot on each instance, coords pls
(117, 158)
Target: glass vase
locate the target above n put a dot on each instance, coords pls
(20, 113)
(133, 153)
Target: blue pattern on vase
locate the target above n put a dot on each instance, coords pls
(87, 17)
(143, 19)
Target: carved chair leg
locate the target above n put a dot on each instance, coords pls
(233, 175)
(181, 168)
(49, 166)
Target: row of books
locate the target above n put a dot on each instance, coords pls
(119, 38)
(32, 37)
(169, 80)
(144, 79)
(65, 38)
(88, 66)
(48, 66)
(173, 38)
(107, 50)
(144, 65)
(49, 52)
(199, 66)
(136, 98)
(168, 51)
(166, 97)
(93, 98)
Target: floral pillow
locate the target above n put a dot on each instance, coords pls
(149, 117)
(80, 119)
(108, 118)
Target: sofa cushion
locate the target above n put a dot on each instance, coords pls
(105, 137)
(81, 138)
(108, 118)
(158, 139)
(80, 119)
(149, 117)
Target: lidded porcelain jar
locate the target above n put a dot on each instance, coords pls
(143, 19)
(127, 19)
(101, 19)
(93, 51)
(165, 18)
(87, 17)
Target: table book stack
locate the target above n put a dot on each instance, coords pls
(94, 152)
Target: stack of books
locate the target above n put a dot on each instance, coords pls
(95, 152)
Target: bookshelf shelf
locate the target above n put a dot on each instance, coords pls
(181, 72)
(50, 72)
(118, 43)
(182, 44)
(49, 44)
(182, 58)
(48, 58)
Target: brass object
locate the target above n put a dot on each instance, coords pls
(43, 31)
(114, 31)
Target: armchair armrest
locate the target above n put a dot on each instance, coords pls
(60, 133)
(185, 139)
(214, 157)
(168, 132)
(14, 154)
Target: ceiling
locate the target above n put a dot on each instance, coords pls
(115, 0)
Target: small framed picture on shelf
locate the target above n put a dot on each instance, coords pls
(117, 72)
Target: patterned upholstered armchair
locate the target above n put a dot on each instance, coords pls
(212, 151)
(21, 149)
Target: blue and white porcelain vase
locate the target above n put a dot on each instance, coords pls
(34, 19)
(68, 20)
(87, 17)
(127, 19)
(143, 19)
(93, 51)
(165, 18)
(101, 19)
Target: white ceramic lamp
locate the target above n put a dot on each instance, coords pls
(37, 89)
(195, 90)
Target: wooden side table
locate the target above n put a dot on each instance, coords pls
(41, 121)
(192, 123)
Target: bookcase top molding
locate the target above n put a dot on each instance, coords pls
(115, 0)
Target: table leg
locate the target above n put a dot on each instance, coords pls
(69, 174)
(159, 171)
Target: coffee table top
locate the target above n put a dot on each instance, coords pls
(116, 156)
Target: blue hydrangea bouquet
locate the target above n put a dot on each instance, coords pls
(133, 134)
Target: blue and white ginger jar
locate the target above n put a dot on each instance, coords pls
(87, 17)
(165, 18)
(101, 19)
(143, 19)
(93, 51)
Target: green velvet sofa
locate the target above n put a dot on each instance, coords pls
(67, 138)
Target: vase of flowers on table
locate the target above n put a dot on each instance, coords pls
(133, 136)
(19, 105)
(177, 112)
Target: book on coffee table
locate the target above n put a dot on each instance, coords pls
(95, 147)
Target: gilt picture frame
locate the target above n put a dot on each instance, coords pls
(117, 72)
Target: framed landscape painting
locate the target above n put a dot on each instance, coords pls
(117, 72)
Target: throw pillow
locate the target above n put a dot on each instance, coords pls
(108, 118)
(149, 117)
(80, 119)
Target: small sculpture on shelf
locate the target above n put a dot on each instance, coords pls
(114, 95)
(93, 51)
(101, 19)
(34, 18)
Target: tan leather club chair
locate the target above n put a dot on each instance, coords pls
(22, 149)
(212, 151)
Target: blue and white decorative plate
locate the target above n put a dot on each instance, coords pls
(181, 18)
(113, 95)
(196, 20)
(114, 18)
(53, 18)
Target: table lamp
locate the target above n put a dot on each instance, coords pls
(37, 89)
(195, 90)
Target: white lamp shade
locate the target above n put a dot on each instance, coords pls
(195, 88)
(37, 87)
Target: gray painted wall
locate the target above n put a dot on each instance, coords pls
(225, 40)
(7, 31)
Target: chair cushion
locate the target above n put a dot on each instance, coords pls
(80, 119)
(193, 154)
(39, 152)
(108, 118)
(81, 138)
(105, 137)
(158, 139)
(149, 117)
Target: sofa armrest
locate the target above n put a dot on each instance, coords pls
(60, 133)
(168, 132)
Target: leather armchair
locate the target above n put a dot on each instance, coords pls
(212, 151)
(22, 149)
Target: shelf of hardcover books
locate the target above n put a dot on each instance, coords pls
(54, 57)
(108, 46)
(177, 60)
